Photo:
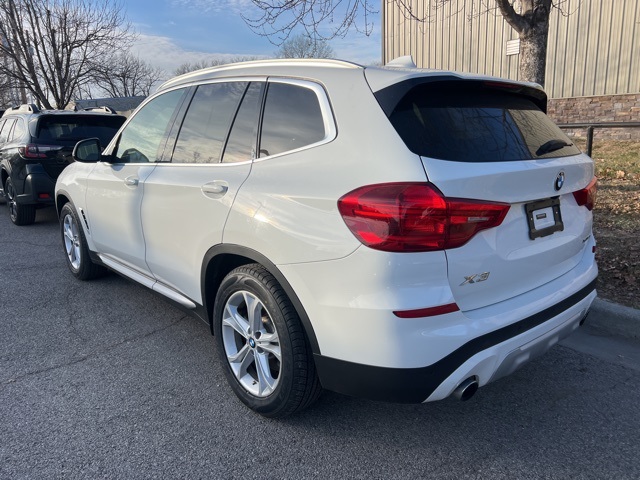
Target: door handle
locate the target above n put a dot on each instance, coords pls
(131, 181)
(215, 189)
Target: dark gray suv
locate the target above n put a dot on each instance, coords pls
(36, 145)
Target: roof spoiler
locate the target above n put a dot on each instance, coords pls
(103, 109)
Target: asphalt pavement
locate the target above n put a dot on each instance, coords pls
(105, 380)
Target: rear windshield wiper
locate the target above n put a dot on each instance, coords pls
(552, 146)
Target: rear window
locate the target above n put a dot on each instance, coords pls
(476, 124)
(69, 129)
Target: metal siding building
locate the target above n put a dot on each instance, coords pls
(593, 46)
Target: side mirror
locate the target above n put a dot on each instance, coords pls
(87, 151)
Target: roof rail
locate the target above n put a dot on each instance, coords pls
(104, 109)
(24, 108)
(275, 62)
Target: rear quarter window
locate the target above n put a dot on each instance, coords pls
(292, 119)
(5, 129)
(474, 124)
(19, 130)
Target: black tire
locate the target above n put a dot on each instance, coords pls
(296, 381)
(75, 246)
(20, 214)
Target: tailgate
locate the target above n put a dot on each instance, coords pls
(506, 261)
(492, 141)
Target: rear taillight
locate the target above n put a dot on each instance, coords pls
(587, 196)
(415, 217)
(32, 150)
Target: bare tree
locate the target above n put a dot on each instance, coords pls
(10, 93)
(199, 65)
(303, 46)
(127, 76)
(53, 47)
(328, 19)
(532, 26)
(6, 93)
(278, 18)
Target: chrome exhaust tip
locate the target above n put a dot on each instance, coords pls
(466, 389)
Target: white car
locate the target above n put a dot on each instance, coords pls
(391, 233)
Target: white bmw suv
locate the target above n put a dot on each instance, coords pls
(391, 233)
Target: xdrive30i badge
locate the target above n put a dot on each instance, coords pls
(559, 181)
(477, 278)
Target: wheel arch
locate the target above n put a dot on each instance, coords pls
(62, 198)
(3, 176)
(221, 259)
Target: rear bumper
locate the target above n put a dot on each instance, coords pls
(38, 190)
(366, 351)
(487, 357)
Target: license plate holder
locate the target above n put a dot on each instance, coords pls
(544, 217)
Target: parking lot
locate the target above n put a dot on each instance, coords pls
(104, 379)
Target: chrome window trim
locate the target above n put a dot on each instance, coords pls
(209, 82)
(331, 130)
(194, 165)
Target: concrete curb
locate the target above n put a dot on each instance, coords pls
(615, 319)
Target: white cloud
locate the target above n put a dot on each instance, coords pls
(162, 52)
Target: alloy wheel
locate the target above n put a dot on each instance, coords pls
(251, 343)
(11, 200)
(72, 241)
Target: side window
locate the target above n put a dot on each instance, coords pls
(292, 119)
(242, 139)
(6, 129)
(18, 131)
(141, 140)
(207, 122)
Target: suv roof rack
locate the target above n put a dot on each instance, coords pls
(104, 109)
(24, 108)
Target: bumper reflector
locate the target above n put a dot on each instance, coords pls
(427, 312)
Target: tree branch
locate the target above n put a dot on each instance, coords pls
(517, 22)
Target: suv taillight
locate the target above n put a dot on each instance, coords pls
(415, 217)
(32, 150)
(587, 196)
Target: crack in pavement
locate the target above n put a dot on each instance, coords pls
(95, 353)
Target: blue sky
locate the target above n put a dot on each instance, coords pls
(172, 32)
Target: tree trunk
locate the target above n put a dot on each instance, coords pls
(532, 26)
(533, 54)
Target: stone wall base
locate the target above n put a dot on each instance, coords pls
(605, 108)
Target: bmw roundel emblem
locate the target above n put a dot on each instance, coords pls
(559, 181)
